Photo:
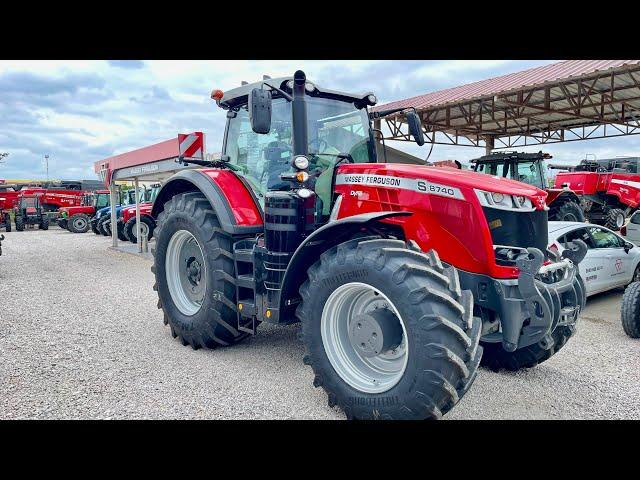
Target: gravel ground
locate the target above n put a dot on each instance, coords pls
(80, 337)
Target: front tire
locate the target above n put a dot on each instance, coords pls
(79, 223)
(7, 222)
(44, 223)
(614, 219)
(630, 310)
(385, 280)
(568, 211)
(195, 273)
(145, 223)
(19, 223)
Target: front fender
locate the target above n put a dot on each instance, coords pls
(327, 236)
(221, 197)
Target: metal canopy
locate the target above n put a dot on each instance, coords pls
(561, 102)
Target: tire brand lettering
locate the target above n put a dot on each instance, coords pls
(344, 277)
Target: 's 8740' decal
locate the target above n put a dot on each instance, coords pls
(415, 185)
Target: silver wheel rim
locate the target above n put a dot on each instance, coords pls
(619, 220)
(144, 229)
(375, 374)
(186, 272)
(79, 223)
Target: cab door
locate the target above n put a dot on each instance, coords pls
(617, 263)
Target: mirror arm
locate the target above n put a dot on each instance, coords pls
(384, 145)
(288, 97)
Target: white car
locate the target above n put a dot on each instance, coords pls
(611, 261)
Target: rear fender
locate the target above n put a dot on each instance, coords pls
(318, 242)
(234, 205)
(562, 196)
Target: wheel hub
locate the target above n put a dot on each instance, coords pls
(374, 333)
(194, 270)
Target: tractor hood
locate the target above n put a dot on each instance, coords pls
(447, 176)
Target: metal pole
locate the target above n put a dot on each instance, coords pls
(489, 143)
(138, 217)
(46, 162)
(114, 200)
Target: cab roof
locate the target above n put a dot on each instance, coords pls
(238, 96)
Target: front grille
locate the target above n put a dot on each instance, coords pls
(518, 229)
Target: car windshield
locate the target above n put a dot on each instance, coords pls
(333, 127)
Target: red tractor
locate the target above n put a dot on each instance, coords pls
(5, 217)
(564, 204)
(610, 189)
(78, 219)
(127, 225)
(29, 212)
(405, 278)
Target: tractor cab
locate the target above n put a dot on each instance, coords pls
(523, 167)
(279, 141)
(101, 200)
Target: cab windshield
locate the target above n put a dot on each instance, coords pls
(526, 172)
(101, 200)
(333, 127)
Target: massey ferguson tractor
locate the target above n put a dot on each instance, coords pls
(405, 278)
(609, 189)
(5, 217)
(564, 204)
(78, 219)
(29, 212)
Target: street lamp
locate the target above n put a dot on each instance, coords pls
(46, 162)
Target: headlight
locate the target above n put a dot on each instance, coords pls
(309, 87)
(504, 201)
(372, 99)
(305, 193)
(301, 162)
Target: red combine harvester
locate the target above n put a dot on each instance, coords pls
(405, 278)
(564, 204)
(52, 200)
(609, 189)
(78, 219)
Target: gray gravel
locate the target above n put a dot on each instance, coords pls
(80, 337)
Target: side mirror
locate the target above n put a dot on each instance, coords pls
(628, 246)
(260, 110)
(415, 128)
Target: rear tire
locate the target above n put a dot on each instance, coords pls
(103, 228)
(79, 223)
(440, 334)
(121, 236)
(19, 224)
(7, 222)
(568, 211)
(212, 322)
(614, 219)
(630, 310)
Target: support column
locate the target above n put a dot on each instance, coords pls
(114, 201)
(138, 217)
(489, 142)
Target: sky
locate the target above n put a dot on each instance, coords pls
(78, 112)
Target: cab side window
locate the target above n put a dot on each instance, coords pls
(603, 238)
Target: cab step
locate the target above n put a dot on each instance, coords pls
(245, 286)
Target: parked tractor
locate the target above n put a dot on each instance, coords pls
(609, 189)
(564, 204)
(127, 224)
(405, 278)
(29, 212)
(78, 219)
(5, 217)
(101, 223)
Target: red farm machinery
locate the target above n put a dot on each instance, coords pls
(609, 188)
(29, 212)
(405, 278)
(563, 203)
(77, 219)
